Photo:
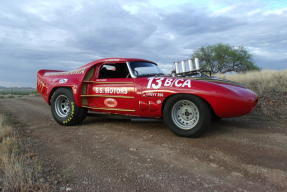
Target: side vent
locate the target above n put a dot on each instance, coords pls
(84, 91)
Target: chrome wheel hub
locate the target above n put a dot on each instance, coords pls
(185, 114)
(62, 106)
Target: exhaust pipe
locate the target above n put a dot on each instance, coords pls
(176, 67)
(196, 63)
(182, 66)
(190, 65)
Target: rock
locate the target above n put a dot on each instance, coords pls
(213, 165)
(132, 149)
(28, 131)
(42, 180)
(236, 174)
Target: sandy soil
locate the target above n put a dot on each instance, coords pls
(104, 154)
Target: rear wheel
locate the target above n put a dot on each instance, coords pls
(186, 115)
(64, 109)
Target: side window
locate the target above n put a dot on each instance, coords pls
(114, 70)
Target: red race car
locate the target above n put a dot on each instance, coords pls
(137, 87)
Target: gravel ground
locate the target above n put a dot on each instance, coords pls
(104, 154)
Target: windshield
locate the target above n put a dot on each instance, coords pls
(142, 69)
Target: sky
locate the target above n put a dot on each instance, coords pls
(39, 34)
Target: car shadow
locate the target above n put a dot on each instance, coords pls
(219, 127)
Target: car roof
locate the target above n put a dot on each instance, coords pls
(114, 60)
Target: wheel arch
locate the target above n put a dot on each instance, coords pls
(54, 89)
(173, 95)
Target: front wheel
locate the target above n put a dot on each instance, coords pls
(186, 115)
(64, 109)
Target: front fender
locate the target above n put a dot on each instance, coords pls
(229, 100)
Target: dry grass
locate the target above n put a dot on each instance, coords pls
(271, 87)
(18, 171)
(261, 81)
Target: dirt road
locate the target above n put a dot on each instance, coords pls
(242, 154)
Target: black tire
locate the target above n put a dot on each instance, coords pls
(193, 121)
(215, 118)
(68, 113)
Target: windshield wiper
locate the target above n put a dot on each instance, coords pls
(158, 74)
(151, 74)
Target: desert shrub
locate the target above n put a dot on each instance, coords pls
(17, 91)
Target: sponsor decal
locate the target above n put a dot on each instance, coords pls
(63, 81)
(111, 90)
(71, 115)
(41, 85)
(158, 82)
(155, 93)
(158, 102)
(110, 102)
(150, 94)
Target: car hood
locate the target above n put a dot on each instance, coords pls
(219, 81)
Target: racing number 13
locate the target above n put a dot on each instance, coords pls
(156, 84)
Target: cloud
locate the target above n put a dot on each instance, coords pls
(37, 34)
(189, 22)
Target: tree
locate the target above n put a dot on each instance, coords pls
(222, 58)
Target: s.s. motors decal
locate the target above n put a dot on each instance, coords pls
(111, 90)
(158, 82)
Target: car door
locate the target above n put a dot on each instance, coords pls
(112, 90)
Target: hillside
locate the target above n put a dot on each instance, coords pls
(17, 90)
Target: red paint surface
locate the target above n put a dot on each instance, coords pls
(145, 97)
